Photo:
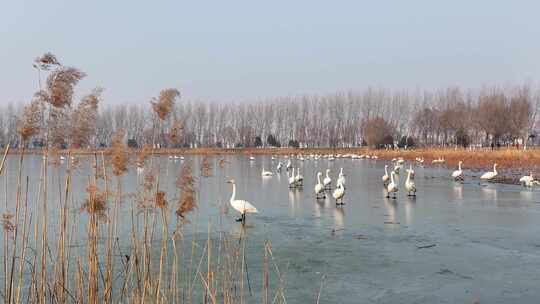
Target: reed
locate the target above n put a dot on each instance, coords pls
(154, 268)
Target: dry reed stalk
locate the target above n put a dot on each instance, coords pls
(44, 244)
(61, 269)
(24, 244)
(32, 289)
(15, 229)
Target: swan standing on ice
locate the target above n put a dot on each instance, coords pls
(341, 178)
(327, 181)
(392, 187)
(385, 177)
(397, 167)
(409, 183)
(458, 174)
(279, 166)
(319, 188)
(240, 205)
(266, 173)
(292, 180)
(338, 194)
(299, 179)
(491, 174)
(526, 179)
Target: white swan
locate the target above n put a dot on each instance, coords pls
(289, 165)
(252, 158)
(299, 179)
(266, 173)
(240, 205)
(292, 182)
(338, 194)
(392, 187)
(279, 166)
(319, 188)
(532, 183)
(526, 179)
(409, 183)
(397, 168)
(341, 178)
(491, 174)
(410, 170)
(327, 181)
(385, 177)
(458, 174)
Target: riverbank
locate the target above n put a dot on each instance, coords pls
(512, 163)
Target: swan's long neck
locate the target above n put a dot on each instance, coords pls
(459, 166)
(408, 177)
(495, 168)
(385, 170)
(233, 192)
(327, 174)
(341, 172)
(392, 177)
(318, 178)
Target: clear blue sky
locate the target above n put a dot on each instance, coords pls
(239, 50)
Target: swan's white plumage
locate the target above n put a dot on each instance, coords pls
(241, 206)
(327, 180)
(491, 174)
(458, 173)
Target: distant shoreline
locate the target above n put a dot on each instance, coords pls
(512, 163)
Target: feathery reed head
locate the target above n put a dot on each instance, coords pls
(45, 61)
(96, 203)
(28, 124)
(185, 183)
(164, 103)
(161, 201)
(7, 222)
(84, 119)
(206, 167)
(60, 84)
(120, 155)
(176, 131)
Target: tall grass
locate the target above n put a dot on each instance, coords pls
(48, 261)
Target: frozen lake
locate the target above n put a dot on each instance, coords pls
(486, 237)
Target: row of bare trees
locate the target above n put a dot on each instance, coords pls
(377, 117)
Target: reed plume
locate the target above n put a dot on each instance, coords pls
(60, 84)
(163, 105)
(96, 203)
(160, 200)
(45, 61)
(206, 167)
(120, 154)
(177, 130)
(7, 222)
(186, 184)
(28, 125)
(84, 118)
